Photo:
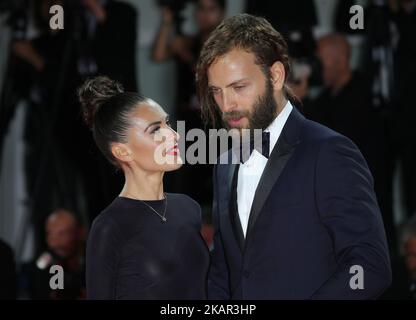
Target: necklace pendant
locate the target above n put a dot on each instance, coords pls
(163, 219)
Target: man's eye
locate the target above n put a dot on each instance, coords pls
(239, 87)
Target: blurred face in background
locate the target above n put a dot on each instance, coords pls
(330, 64)
(333, 53)
(208, 15)
(63, 234)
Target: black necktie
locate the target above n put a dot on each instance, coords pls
(265, 147)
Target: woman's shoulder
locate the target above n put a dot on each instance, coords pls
(105, 237)
(184, 201)
(106, 222)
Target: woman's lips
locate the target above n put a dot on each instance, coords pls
(174, 151)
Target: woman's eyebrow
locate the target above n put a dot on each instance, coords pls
(156, 122)
(152, 124)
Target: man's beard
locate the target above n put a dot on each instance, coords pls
(264, 109)
(263, 114)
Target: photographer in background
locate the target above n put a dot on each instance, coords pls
(107, 46)
(403, 16)
(404, 265)
(345, 105)
(99, 37)
(171, 43)
(185, 48)
(65, 246)
(26, 69)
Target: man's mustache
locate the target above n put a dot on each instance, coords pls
(234, 115)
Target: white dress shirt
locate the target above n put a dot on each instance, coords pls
(250, 171)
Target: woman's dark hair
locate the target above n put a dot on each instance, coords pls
(247, 32)
(106, 110)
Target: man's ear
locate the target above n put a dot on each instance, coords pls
(121, 152)
(278, 73)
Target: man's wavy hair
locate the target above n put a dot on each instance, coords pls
(247, 32)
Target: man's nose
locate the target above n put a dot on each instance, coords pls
(228, 102)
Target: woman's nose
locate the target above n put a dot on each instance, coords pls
(173, 134)
(177, 135)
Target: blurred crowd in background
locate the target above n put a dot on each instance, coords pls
(355, 81)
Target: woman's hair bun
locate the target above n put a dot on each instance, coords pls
(94, 92)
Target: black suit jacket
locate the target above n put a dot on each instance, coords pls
(314, 216)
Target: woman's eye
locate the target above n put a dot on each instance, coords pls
(168, 123)
(155, 130)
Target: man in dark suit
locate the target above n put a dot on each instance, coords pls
(298, 219)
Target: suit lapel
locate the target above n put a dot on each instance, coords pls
(230, 177)
(226, 175)
(278, 159)
(234, 216)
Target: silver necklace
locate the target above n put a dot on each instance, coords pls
(163, 217)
